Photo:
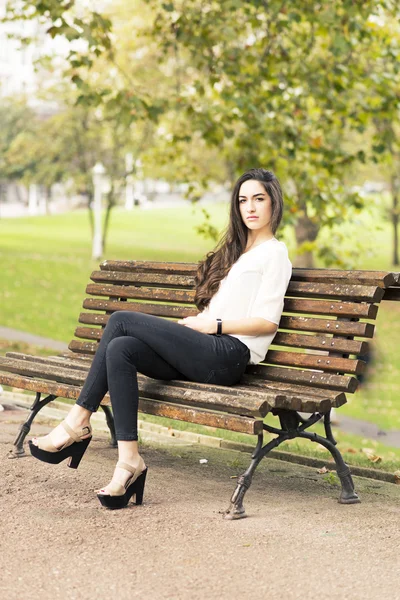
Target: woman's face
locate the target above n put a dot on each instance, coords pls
(255, 206)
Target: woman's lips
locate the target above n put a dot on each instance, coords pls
(252, 218)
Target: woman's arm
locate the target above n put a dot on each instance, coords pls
(248, 326)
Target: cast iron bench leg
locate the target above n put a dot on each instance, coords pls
(236, 509)
(111, 425)
(18, 450)
(347, 495)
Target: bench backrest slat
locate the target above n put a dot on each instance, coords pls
(292, 305)
(382, 279)
(306, 324)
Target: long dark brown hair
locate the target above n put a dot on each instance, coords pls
(217, 263)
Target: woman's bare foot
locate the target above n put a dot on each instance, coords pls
(127, 453)
(77, 418)
(121, 476)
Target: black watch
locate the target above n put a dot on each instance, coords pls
(219, 327)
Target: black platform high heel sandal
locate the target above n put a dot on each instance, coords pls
(121, 494)
(73, 449)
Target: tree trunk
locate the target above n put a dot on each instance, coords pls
(110, 205)
(305, 231)
(47, 199)
(395, 218)
(89, 196)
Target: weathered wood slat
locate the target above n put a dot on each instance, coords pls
(252, 383)
(292, 359)
(93, 318)
(254, 404)
(200, 417)
(256, 382)
(291, 305)
(158, 310)
(82, 347)
(49, 360)
(140, 293)
(311, 342)
(62, 390)
(359, 293)
(309, 361)
(148, 266)
(306, 324)
(346, 328)
(236, 423)
(334, 308)
(32, 384)
(361, 277)
(326, 381)
(320, 342)
(340, 383)
(162, 280)
(75, 356)
(379, 278)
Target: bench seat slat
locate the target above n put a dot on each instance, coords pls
(235, 423)
(329, 381)
(254, 404)
(252, 382)
(62, 390)
(201, 417)
(49, 360)
(250, 402)
(340, 383)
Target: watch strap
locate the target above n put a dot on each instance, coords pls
(219, 326)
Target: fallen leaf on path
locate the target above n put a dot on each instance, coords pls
(370, 454)
(323, 471)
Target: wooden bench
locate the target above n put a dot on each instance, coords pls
(315, 360)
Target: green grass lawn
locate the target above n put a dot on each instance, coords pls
(45, 266)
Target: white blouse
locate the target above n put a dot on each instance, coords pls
(254, 287)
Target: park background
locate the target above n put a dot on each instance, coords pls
(173, 100)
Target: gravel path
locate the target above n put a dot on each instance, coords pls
(56, 542)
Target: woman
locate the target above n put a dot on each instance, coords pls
(240, 288)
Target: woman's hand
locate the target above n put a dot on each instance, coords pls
(202, 325)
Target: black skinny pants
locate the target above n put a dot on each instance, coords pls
(158, 348)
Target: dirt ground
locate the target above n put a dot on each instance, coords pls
(57, 542)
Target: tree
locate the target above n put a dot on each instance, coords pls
(264, 82)
(285, 84)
